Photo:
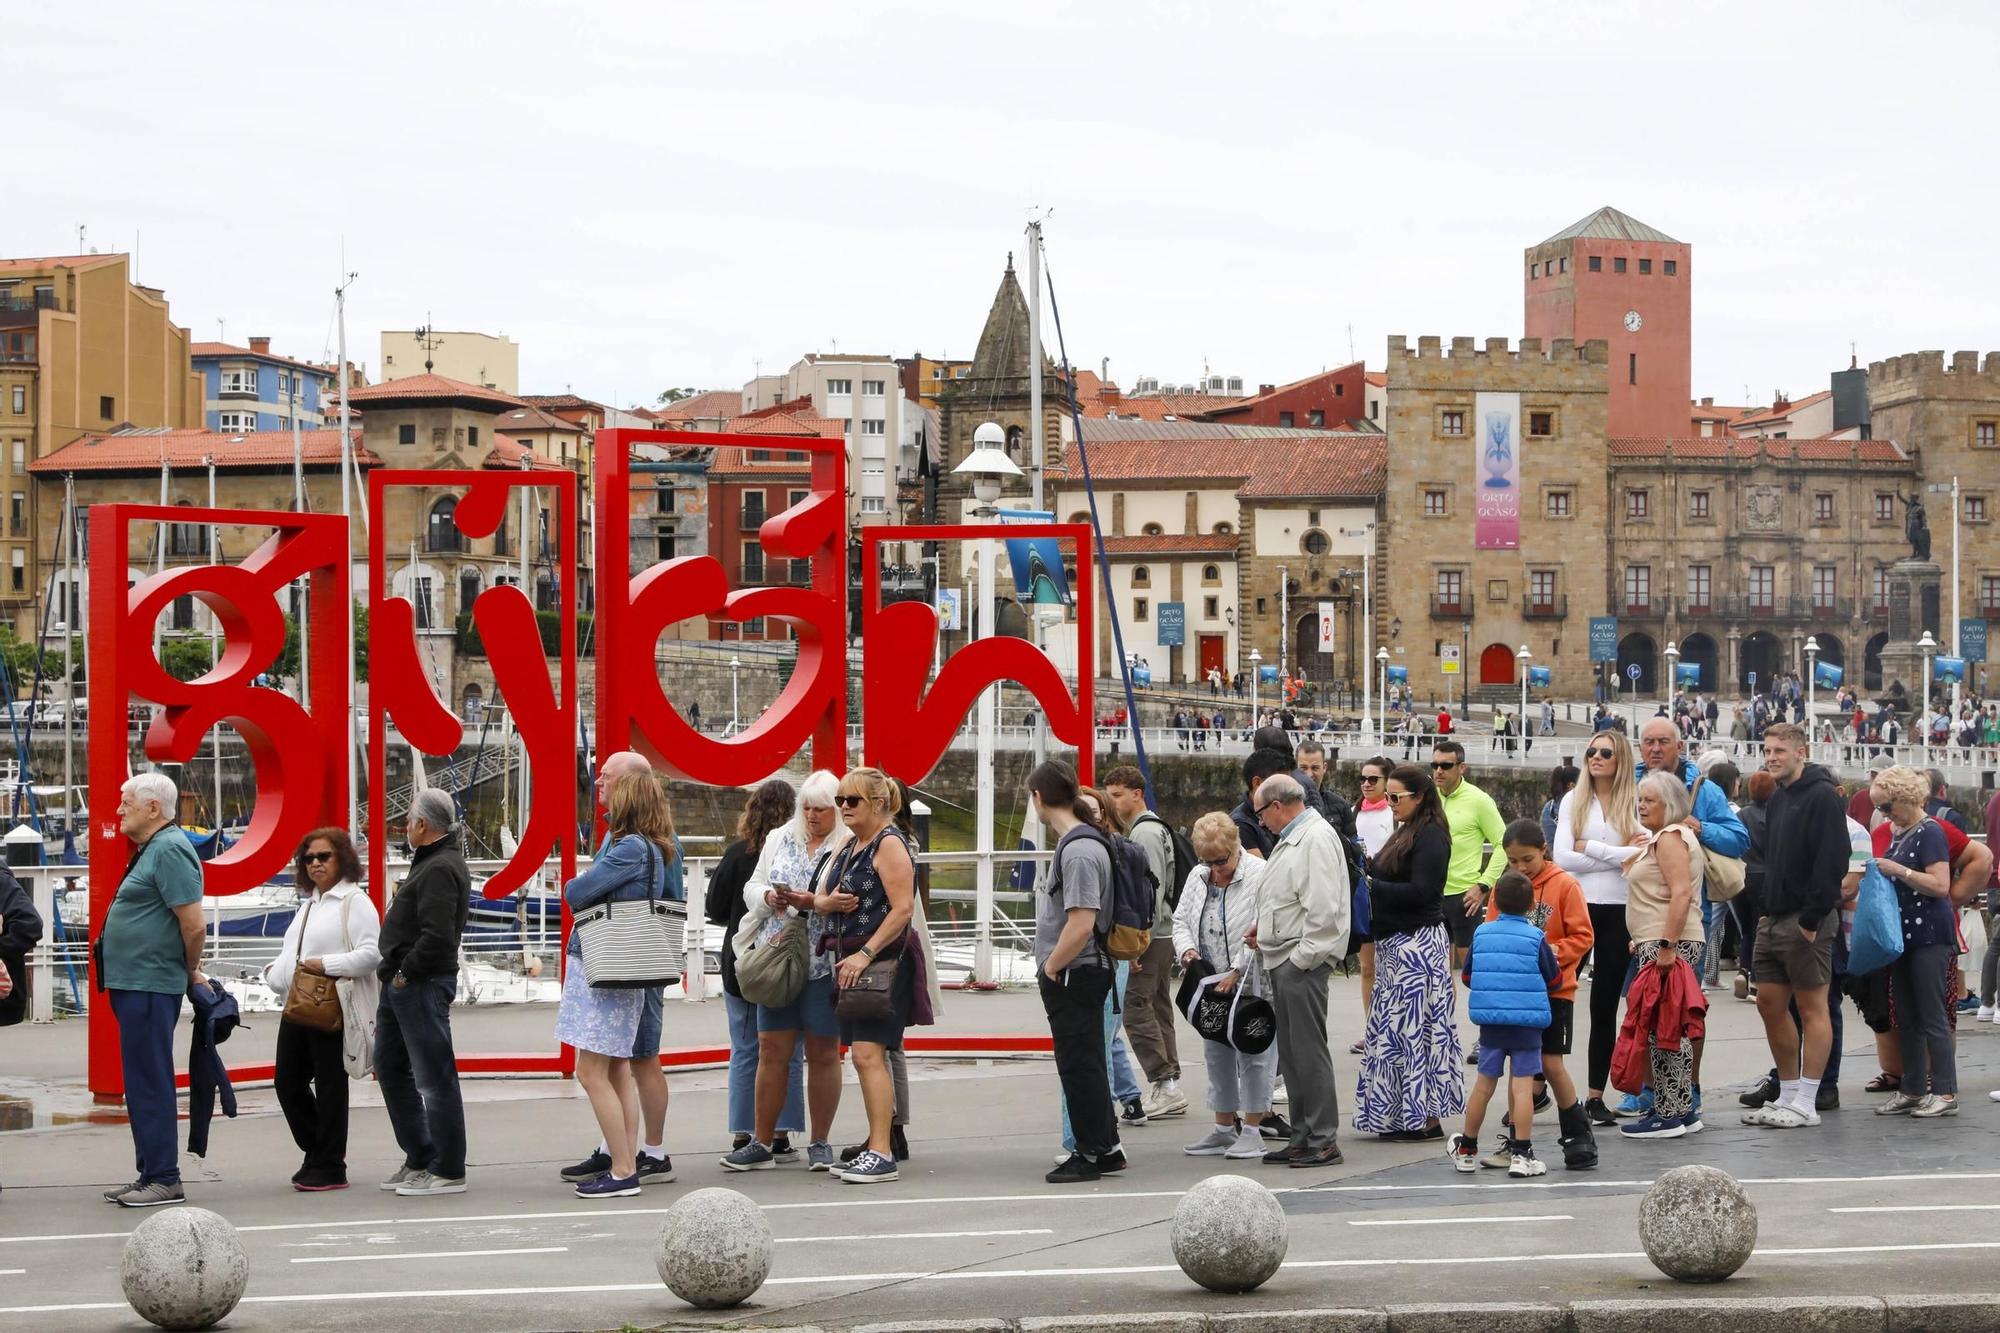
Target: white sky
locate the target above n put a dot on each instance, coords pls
(645, 194)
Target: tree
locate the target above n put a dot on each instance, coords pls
(287, 663)
(675, 395)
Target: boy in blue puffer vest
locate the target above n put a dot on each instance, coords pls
(1510, 970)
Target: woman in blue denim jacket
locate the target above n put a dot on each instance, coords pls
(602, 1023)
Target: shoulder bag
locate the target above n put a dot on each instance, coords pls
(872, 997)
(312, 1001)
(358, 997)
(1721, 876)
(633, 943)
(773, 973)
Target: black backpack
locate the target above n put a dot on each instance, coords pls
(1185, 860)
(1132, 898)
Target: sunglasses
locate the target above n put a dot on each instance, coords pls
(1883, 806)
(848, 802)
(1400, 795)
(1370, 777)
(1599, 752)
(1219, 862)
(1437, 767)
(314, 858)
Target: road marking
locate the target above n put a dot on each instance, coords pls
(428, 1254)
(913, 1235)
(870, 1279)
(1455, 1221)
(1509, 1187)
(1923, 1208)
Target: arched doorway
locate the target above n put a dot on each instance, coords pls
(1871, 666)
(1307, 659)
(1496, 664)
(1699, 651)
(1639, 650)
(475, 702)
(1760, 661)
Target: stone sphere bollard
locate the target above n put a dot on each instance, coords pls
(1230, 1234)
(714, 1248)
(1697, 1224)
(184, 1268)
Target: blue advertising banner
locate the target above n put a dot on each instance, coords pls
(1538, 676)
(1399, 675)
(1972, 639)
(1828, 676)
(1948, 668)
(1267, 675)
(1172, 624)
(1142, 674)
(1687, 673)
(1604, 638)
(1036, 561)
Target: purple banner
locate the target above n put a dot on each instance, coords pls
(1497, 478)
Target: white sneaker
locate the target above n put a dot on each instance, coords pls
(1279, 1097)
(1985, 1014)
(1933, 1106)
(1218, 1142)
(1249, 1144)
(424, 1184)
(1164, 1100)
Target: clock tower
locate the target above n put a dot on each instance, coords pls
(1613, 277)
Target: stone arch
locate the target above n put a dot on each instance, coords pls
(1700, 651)
(1496, 665)
(1871, 668)
(1761, 655)
(1641, 651)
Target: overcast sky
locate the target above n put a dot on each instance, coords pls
(645, 194)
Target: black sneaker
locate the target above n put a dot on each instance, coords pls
(1112, 1162)
(1279, 1156)
(1275, 1126)
(1134, 1113)
(899, 1143)
(1761, 1095)
(1472, 1056)
(1542, 1099)
(782, 1151)
(1827, 1099)
(590, 1168)
(1076, 1170)
(1599, 1113)
(655, 1170)
(852, 1151)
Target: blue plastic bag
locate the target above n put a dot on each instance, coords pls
(1878, 925)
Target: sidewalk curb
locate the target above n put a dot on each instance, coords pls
(1691, 1314)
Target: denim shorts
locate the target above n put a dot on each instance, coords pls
(811, 1013)
(1493, 1062)
(647, 1043)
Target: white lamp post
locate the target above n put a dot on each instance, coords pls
(1928, 646)
(987, 467)
(1523, 656)
(1382, 665)
(1673, 655)
(1812, 692)
(1255, 658)
(1367, 616)
(735, 717)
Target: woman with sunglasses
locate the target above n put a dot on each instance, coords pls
(1374, 821)
(1218, 905)
(1596, 827)
(333, 934)
(1410, 1073)
(1917, 860)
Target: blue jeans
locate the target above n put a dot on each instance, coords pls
(146, 1023)
(743, 1073)
(1123, 1086)
(418, 1072)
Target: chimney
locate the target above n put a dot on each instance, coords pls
(1104, 369)
(1708, 402)
(261, 346)
(1267, 388)
(1779, 402)
(1108, 394)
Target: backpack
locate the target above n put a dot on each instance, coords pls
(1185, 860)
(1133, 888)
(1357, 890)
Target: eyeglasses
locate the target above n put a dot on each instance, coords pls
(315, 858)
(1370, 777)
(1262, 808)
(848, 802)
(1400, 795)
(1599, 752)
(1883, 806)
(1437, 767)
(1218, 863)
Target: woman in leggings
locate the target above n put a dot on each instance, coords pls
(1594, 832)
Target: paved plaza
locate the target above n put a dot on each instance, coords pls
(1860, 1206)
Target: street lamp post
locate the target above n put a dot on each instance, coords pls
(1812, 691)
(1367, 617)
(1464, 671)
(735, 717)
(1523, 656)
(1382, 665)
(1928, 646)
(987, 467)
(1673, 655)
(1255, 658)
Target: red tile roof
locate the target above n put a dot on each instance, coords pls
(1344, 466)
(1217, 458)
(508, 453)
(534, 418)
(570, 400)
(1377, 378)
(1745, 448)
(788, 424)
(1320, 463)
(191, 449)
(434, 389)
(56, 261)
(723, 403)
(1765, 415)
(230, 349)
(1193, 543)
(729, 459)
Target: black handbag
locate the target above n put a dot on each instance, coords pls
(872, 996)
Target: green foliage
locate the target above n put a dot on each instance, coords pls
(185, 658)
(467, 637)
(550, 624)
(675, 395)
(287, 663)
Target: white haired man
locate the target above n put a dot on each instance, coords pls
(148, 957)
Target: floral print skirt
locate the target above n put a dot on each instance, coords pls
(1410, 1068)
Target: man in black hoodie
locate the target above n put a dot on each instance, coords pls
(414, 1060)
(1805, 858)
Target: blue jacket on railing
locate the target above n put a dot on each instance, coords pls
(1510, 968)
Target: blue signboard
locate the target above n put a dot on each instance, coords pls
(1972, 640)
(1948, 668)
(1267, 675)
(1828, 676)
(1604, 638)
(1538, 677)
(1633, 673)
(1687, 673)
(1173, 624)
(1399, 675)
(1142, 674)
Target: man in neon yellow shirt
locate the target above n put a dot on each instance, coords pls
(1476, 837)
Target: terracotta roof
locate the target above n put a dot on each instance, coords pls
(143, 451)
(1188, 543)
(534, 418)
(433, 388)
(198, 350)
(1377, 378)
(508, 453)
(730, 459)
(1211, 458)
(559, 400)
(1762, 415)
(789, 407)
(714, 403)
(806, 424)
(1744, 448)
(57, 261)
(1346, 466)
(1237, 404)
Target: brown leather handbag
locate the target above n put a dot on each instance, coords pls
(313, 1001)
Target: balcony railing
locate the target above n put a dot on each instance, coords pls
(13, 302)
(1555, 606)
(1643, 607)
(1831, 608)
(1698, 606)
(1450, 608)
(229, 390)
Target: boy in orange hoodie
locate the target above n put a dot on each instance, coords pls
(1565, 920)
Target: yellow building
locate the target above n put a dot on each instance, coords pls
(82, 348)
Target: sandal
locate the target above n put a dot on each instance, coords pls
(1885, 1083)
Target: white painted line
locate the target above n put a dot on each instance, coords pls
(1923, 1208)
(911, 1235)
(428, 1254)
(870, 1279)
(1456, 1221)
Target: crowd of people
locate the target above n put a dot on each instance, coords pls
(1642, 872)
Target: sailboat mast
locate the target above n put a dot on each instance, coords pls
(299, 506)
(214, 655)
(69, 667)
(347, 513)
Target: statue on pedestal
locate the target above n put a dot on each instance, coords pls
(1915, 525)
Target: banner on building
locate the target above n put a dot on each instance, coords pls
(1972, 639)
(1687, 673)
(1828, 675)
(1267, 675)
(948, 608)
(1538, 677)
(1326, 619)
(1172, 624)
(1399, 675)
(1604, 638)
(1948, 669)
(1036, 561)
(1496, 483)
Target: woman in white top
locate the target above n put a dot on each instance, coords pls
(1595, 831)
(1218, 905)
(1374, 821)
(332, 934)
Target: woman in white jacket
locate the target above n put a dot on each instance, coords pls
(1218, 907)
(1597, 832)
(333, 934)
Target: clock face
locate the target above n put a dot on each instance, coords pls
(1632, 321)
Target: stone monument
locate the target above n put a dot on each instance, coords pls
(1913, 589)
